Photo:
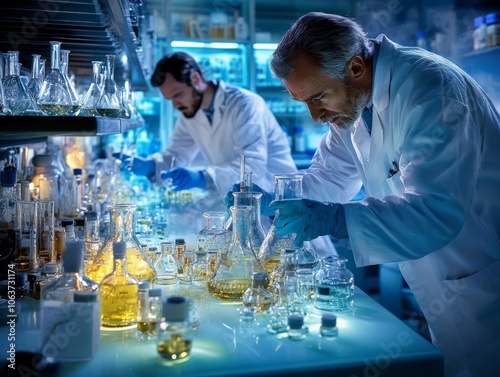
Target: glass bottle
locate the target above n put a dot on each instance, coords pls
(91, 239)
(204, 267)
(16, 95)
(75, 100)
(256, 296)
(166, 265)
(285, 187)
(8, 200)
(233, 277)
(49, 274)
(175, 332)
(119, 292)
(334, 285)
(143, 309)
(246, 198)
(54, 98)
(92, 95)
(155, 310)
(121, 229)
(108, 104)
(214, 235)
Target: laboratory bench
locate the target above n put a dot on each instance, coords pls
(371, 342)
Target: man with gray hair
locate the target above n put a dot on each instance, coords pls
(423, 139)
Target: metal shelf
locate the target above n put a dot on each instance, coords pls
(23, 130)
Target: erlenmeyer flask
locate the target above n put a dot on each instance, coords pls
(252, 199)
(75, 100)
(124, 110)
(121, 229)
(285, 187)
(232, 278)
(16, 95)
(4, 110)
(92, 96)
(54, 98)
(108, 104)
(35, 83)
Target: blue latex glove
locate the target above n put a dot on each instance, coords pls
(309, 219)
(267, 197)
(140, 166)
(184, 179)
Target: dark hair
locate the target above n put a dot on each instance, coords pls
(328, 40)
(179, 64)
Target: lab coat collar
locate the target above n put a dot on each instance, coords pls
(219, 103)
(382, 77)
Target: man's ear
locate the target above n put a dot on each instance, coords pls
(195, 79)
(356, 67)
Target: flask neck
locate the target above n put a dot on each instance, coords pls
(122, 224)
(13, 62)
(55, 55)
(120, 267)
(242, 230)
(35, 67)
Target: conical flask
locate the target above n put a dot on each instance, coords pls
(4, 110)
(16, 95)
(75, 100)
(252, 199)
(54, 97)
(121, 229)
(108, 104)
(33, 88)
(285, 187)
(92, 96)
(232, 278)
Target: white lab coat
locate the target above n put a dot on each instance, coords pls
(241, 123)
(439, 216)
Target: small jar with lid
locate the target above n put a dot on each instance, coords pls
(175, 333)
(328, 329)
(296, 328)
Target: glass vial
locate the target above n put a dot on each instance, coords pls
(155, 310)
(119, 292)
(334, 285)
(328, 328)
(143, 309)
(296, 329)
(256, 296)
(175, 332)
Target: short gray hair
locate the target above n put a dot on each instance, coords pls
(328, 40)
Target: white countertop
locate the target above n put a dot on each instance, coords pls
(371, 342)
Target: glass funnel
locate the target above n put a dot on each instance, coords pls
(54, 98)
(75, 100)
(92, 96)
(233, 277)
(121, 229)
(108, 104)
(285, 187)
(16, 96)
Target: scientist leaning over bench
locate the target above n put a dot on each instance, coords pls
(424, 140)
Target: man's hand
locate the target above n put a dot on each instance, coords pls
(309, 219)
(137, 165)
(184, 179)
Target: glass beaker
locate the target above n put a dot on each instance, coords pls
(92, 96)
(75, 100)
(16, 95)
(285, 187)
(121, 229)
(54, 98)
(214, 235)
(108, 104)
(334, 285)
(233, 277)
(26, 235)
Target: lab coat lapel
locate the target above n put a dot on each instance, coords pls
(219, 105)
(377, 171)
